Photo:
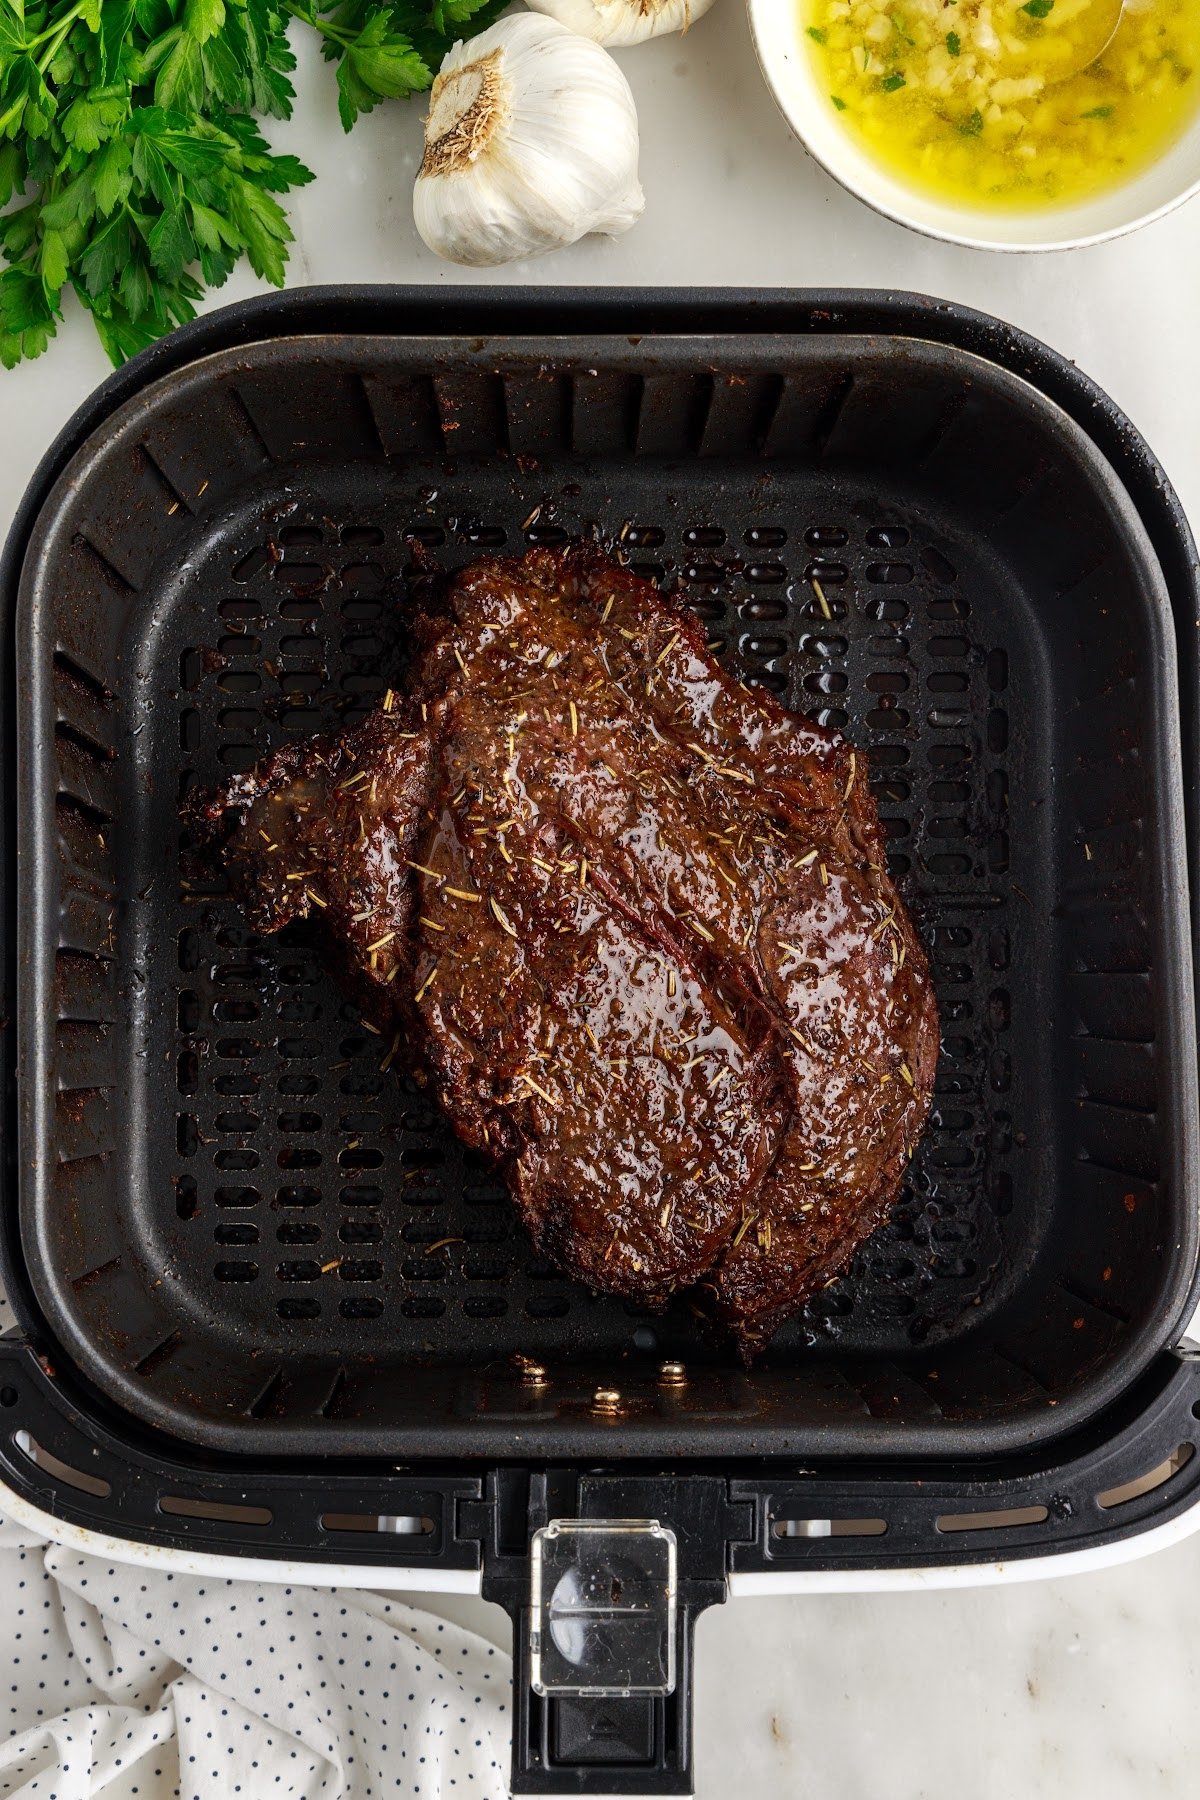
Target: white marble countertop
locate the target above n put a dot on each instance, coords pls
(1057, 1689)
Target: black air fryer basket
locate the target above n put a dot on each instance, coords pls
(267, 1303)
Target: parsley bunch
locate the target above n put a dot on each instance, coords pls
(127, 131)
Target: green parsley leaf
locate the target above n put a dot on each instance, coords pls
(55, 260)
(153, 18)
(892, 82)
(954, 43)
(11, 174)
(112, 176)
(71, 205)
(202, 19)
(136, 287)
(817, 34)
(838, 102)
(269, 60)
(116, 17)
(180, 83)
(973, 126)
(379, 63)
(107, 255)
(171, 245)
(264, 229)
(448, 16)
(27, 318)
(97, 114)
(1038, 9)
(1097, 112)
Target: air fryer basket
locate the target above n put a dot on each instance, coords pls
(267, 1301)
(244, 1223)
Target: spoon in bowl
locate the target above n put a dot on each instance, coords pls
(1065, 46)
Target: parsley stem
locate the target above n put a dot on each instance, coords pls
(59, 33)
(345, 38)
(33, 42)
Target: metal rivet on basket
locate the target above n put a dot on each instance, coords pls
(672, 1374)
(606, 1400)
(534, 1373)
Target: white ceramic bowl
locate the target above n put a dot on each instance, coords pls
(792, 76)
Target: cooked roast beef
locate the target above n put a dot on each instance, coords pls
(630, 920)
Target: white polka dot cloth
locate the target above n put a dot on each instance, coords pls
(123, 1681)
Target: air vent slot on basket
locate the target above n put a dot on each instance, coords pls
(993, 1520)
(396, 1525)
(824, 1528)
(49, 1464)
(1146, 1484)
(223, 1511)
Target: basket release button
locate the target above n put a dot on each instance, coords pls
(602, 1618)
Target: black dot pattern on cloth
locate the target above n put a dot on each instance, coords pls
(142, 1683)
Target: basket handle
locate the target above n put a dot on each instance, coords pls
(604, 1578)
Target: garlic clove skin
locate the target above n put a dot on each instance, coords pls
(531, 142)
(619, 23)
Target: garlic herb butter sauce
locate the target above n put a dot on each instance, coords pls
(1013, 105)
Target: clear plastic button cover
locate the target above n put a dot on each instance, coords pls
(602, 1603)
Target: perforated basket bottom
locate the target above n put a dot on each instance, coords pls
(313, 1198)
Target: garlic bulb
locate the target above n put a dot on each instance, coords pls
(530, 143)
(621, 22)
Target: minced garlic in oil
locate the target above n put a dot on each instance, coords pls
(985, 101)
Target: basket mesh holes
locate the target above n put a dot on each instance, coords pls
(826, 681)
(236, 1196)
(298, 1196)
(887, 717)
(485, 537)
(829, 574)
(762, 611)
(361, 1306)
(236, 1234)
(300, 1308)
(423, 1307)
(360, 1231)
(236, 1159)
(299, 609)
(297, 1231)
(326, 637)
